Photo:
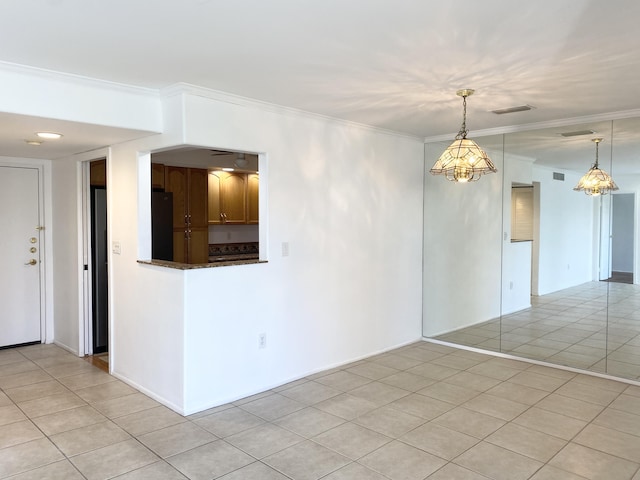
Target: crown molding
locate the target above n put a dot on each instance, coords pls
(220, 96)
(46, 74)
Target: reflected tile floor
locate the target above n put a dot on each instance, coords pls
(569, 328)
(421, 411)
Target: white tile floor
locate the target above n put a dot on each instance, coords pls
(421, 411)
(575, 327)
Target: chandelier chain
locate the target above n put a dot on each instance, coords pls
(463, 128)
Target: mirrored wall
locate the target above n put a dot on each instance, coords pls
(520, 263)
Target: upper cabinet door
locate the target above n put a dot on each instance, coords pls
(253, 185)
(198, 203)
(157, 176)
(176, 182)
(215, 208)
(234, 197)
(98, 173)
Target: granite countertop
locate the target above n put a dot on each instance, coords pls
(220, 255)
(193, 266)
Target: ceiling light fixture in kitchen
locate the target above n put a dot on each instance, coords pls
(49, 135)
(241, 161)
(463, 161)
(596, 181)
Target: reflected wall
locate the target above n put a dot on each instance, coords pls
(462, 254)
(553, 289)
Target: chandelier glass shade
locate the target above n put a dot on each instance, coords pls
(463, 161)
(596, 181)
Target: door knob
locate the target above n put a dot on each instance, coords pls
(33, 261)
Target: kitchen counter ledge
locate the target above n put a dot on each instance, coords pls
(193, 266)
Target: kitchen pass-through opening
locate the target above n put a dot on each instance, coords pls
(204, 206)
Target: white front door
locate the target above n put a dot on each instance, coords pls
(20, 255)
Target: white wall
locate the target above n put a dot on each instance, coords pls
(348, 199)
(462, 248)
(516, 277)
(43, 93)
(66, 180)
(146, 303)
(566, 232)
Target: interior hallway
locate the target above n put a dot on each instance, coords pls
(421, 411)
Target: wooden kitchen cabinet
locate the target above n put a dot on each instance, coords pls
(253, 187)
(228, 198)
(157, 176)
(190, 213)
(98, 173)
(214, 206)
(233, 198)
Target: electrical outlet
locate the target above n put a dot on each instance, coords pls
(285, 249)
(262, 340)
(116, 248)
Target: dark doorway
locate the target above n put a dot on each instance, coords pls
(100, 311)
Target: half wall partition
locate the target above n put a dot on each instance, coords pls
(520, 263)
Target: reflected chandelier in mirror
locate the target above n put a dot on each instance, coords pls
(596, 181)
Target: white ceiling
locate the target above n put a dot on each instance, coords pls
(16, 130)
(391, 64)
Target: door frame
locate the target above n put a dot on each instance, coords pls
(85, 329)
(636, 238)
(45, 212)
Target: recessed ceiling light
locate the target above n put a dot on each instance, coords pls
(577, 133)
(49, 135)
(33, 142)
(519, 108)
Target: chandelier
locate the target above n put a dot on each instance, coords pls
(596, 181)
(463, 161)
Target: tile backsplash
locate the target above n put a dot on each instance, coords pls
(221, 249)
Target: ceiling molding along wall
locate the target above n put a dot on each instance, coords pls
(188, 89)
(48, 94)
(602, 117)
(70, 77)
